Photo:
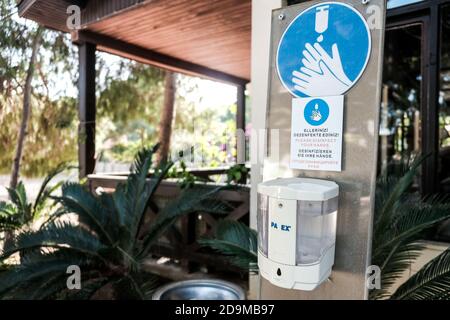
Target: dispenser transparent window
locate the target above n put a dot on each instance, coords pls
(316, 229)
(262, 221)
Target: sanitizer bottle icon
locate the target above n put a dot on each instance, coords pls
(316, 115)
(321, 21)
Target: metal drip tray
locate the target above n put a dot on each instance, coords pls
(200, 290)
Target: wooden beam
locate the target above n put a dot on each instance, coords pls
(87, 109)
(134, 52)
(24, 6)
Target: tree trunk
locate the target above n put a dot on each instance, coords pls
(165, 124)
(26, 109)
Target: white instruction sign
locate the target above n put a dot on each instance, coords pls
(316, 133)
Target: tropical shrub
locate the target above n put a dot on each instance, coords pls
(19, 212)
(185, 178)
(237, 241)
(109, 245)
(432, 282)
(401, 220)
(237, 174)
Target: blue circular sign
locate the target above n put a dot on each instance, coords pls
(316, 112)
(324, 51)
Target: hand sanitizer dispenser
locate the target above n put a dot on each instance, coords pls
(297, 231)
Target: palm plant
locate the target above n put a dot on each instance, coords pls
(432, 282)
(400, 221)
(19, 212)
(109, 245)
(237, 241)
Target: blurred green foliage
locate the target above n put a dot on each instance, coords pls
(129, 101)
(52, 128)
(237, 174)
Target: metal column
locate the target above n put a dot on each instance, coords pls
(86, 109)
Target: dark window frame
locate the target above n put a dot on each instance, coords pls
(431, 12)
(423, 20)
(428, 176)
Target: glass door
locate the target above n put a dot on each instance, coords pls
(415, 112)
(402, 95)
(443, 155)
(443, 165)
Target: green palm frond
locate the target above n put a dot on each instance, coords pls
(46, 288)
(148, 284)
(58, 213)
(113, 204)
(396, 248)
(410, 220)
(116, 202)
(188, 202)
(57, 235)
(432, 282)
(393, 265)
(104, 244)
(236, 240)
(9, 218)
(54, 286)
(400, 221)
(38, 267)
(142, 163)
(38, 288)
(135, 286)
(18, 197)
(130, 200)
(137, 190)
(76, 199)
(7, 209)
(143, 285)
(19, 212)
(156, 179)
(89, 287)
(392, 194)
(215, 206)
(45, 191)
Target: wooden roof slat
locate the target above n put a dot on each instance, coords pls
(213, 34)
(148, 56)
(228, 33)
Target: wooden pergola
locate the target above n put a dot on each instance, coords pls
(205, 38)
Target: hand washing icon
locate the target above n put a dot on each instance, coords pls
(319, 67)
(316, 112)
(316, 116)
(324, 51)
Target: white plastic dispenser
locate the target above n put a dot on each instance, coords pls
(297, 231)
